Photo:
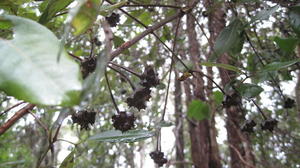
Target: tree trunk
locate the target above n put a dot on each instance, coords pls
(239, 143)
(200, 131)
(297, 89)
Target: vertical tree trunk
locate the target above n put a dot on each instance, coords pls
(239, 143)
(297, 89)
(200, 132)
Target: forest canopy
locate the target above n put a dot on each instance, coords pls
(148, 83)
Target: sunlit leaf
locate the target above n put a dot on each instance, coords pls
(29, 69)
(249, 90)
(118, 136)
(198, 110)
(218, 97)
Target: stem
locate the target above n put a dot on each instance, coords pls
(111, 95)
(126, 69)
(152, 5)
(8, 109)
(15, 118)
(124, 76)
(259, 109)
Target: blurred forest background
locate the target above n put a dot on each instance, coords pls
(203, 84)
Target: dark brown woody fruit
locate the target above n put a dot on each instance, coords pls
(269, 124)
(248, 126)
(231, 100)
(88, 65)
(84, 118)
(123, 121)
(289, 103)
(139, 98)
(158, 158)
(113, 19)
(149, 78)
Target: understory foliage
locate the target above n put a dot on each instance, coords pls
(118, 83)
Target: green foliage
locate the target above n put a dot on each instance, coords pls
(52, 8)
(264, 14)
(118, 136)
(218, 97)
(198, 110)
(224, 66)
(248, 90)
(287, 44)
(118, 41)
(230, 40)
(275, 66)
(29, 73)
(294, 18)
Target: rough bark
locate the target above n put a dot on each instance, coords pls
(200, 131)
(297, 89)
(239, 143)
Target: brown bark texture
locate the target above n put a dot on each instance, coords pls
(202, 143)
(239, 143)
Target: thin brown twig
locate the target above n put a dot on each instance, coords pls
(15, 118)
(152, 5)
(40, 122)
(126, 69)
(110, 92)
(8, 109)
(240, 156)
(124, 76)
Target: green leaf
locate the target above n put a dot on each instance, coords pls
(118, 136)
(287, 44)
(249, 90)
(86, 16)
(29, 69)
(275, 66)
(52, 8)
(118, 41)
(218, 97)
(164, 124)
(68, 161)
(224, 66)
(294, 18)
(198, 110)
(264, 14)
(105, 10)
(5, 24)
(230, 39)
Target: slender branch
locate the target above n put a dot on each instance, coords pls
(240, 156)
(170, 71)
(111, 95)
(67, 141)
(15, 118)
(259, 109)
(153, 33)
(124, 76)
(76, 57)
(152, 5)
(8, 109)
(40, 122)
(209, 78)
(126, 69)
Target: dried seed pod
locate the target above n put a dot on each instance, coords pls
(158, 158)
(231, 100)
(248, 126)
(289, 103)
(269, 124)
(88, 65)
(84, 118)
(113, 19)
(149, 78)
(139, 98)
(123, 121)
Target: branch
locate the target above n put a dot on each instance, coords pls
(8, 109)
(241, 157)
(15, 118)
(149, 30)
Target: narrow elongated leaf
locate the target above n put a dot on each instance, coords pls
(231, 39)
(198, 110)
(52, 8)
(118, 136)
(264, 14)
(118, 41)
(275, 66)
(29, 69)
(249, 90)
(287, 44)
(224, 66)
